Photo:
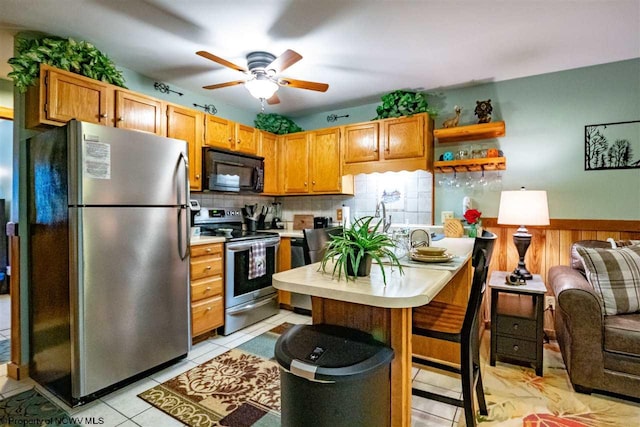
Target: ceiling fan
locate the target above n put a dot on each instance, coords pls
(263, 70)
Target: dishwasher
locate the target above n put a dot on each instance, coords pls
(301, 303)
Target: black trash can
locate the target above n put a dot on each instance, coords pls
(333, 376)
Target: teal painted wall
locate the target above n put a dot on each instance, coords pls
(545, 117)
(6, 93)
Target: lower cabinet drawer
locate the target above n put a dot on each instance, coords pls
(517, 326)
(205, 267)
(206, 288)
(516, 348)
(206, 315)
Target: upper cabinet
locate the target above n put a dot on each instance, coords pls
(62, 96)
(229, 135)
(186, 124)
(404, 143)
(268, 148)
(138, 112)
(311, 163)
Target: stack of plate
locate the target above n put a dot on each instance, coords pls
(430, 254)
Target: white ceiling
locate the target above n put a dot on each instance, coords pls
(362, 48)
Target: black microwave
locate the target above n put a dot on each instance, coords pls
(231, 171)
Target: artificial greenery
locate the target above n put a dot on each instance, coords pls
(403, 103)
(275, 123)
(67, 54)
(355, 243)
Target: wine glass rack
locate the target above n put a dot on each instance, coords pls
(471, 165)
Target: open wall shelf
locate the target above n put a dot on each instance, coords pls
(470, 132)
(471, 165)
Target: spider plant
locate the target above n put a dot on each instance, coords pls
(359, 244)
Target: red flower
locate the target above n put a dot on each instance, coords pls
(472, 216)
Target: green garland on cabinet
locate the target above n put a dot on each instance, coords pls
(275, 123)
(67, 54)
(403, 103)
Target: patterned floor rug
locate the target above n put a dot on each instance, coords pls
(517, 397)
(238, 388)
(32, 408)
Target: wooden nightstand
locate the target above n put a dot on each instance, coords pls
(517, 317)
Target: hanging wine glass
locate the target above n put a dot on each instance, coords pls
(496, 182)
(455, 182)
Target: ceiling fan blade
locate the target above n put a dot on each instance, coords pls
(284, 61)
(273, 100)
(219, 85)
(303, 84)
(220, 61)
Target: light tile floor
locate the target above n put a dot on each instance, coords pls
(123, 407)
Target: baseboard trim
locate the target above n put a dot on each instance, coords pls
(17, 372)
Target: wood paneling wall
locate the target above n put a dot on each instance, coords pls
(551, 246)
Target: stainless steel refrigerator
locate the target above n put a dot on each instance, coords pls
(108, 257)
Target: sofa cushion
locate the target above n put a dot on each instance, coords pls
(576, 259)
(615, 276)
(622, 334)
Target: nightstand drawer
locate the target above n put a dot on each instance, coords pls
(520, 349)
(517, 326)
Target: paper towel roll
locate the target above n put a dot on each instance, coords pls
(346, 216)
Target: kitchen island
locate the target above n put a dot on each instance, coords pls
(384, 311)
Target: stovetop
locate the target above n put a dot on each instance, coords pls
(237, 234)
(224, 221)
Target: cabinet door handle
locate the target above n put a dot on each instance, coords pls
(305, 183)
(313, 182)
(197, 176)
(208, 249)
(103, 115)
(208, 309)
(516, 348)
(238, 141)
(208, 267)
(120, 119)
(515, 326)
(208, 288)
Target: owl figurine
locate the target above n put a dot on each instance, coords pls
(483, 111)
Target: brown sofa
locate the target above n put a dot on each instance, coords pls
(600, 352)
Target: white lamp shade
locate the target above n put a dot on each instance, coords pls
(261, 87)
(523, 207)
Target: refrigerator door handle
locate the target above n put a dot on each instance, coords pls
(184, 252)
(183, 157)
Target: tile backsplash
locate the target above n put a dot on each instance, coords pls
(408, 198)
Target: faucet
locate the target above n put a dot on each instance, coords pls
(385, 223)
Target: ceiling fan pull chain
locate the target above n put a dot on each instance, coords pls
(262, 105)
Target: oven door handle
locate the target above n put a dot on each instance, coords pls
(243, 246)
(248, 307)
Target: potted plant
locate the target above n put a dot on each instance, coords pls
(403, 103)
(275, 123)
(353, 251)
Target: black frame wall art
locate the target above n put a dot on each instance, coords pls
(612, 146)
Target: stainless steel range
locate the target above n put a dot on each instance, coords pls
(247, 301)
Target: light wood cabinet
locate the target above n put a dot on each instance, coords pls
(207, 288)
(268, 148)
(361, 143)
(138, 112)
(186, 124)
(404, 143)
(61, 96)
(324, 161)
(295, 162)
(311, 163)
(229, 135)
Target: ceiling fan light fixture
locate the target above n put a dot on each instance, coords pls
(261, 87)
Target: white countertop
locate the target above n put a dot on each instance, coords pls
(418, 286)
(203, 240)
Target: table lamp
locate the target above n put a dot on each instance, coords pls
(520, 208)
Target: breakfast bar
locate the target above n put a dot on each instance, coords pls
(383, 311)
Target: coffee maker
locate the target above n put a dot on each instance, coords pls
(276, 211)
